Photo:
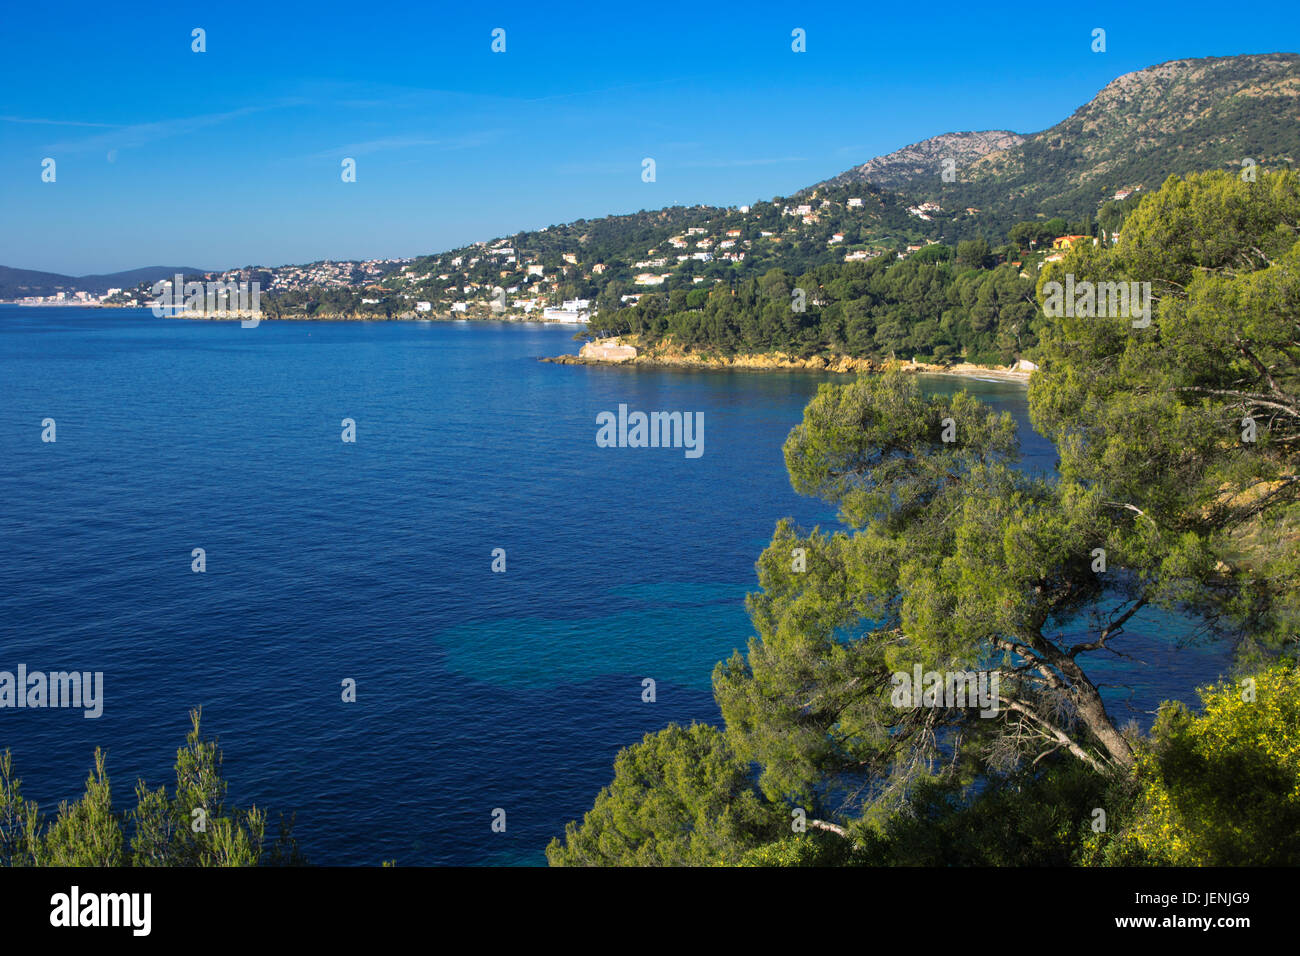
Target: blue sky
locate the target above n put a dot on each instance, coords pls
(232, 157)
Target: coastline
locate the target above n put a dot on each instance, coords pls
(267, 316)
(617, 352)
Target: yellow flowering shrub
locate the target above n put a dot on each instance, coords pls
(1222, 787)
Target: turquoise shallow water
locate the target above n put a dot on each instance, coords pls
(372, 561)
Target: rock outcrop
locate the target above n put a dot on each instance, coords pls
(607, 350)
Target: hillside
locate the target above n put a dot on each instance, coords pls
(1174, 118)
(611, 259)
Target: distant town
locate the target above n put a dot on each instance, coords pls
(502, 279)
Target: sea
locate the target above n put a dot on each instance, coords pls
(336, 569)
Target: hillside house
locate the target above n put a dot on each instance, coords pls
(1065, 242)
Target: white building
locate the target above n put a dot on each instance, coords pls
(573, 310)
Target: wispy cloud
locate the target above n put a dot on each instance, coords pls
(388, 143)
(615, 168)
(372, 94)
(53, 122)
(621, 88)
(140, 134)
(730, 163)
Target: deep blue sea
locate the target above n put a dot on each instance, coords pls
(372, 561)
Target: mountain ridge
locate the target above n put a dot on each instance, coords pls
(1172, 118)
(18, 283)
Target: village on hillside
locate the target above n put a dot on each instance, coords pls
(526, 278)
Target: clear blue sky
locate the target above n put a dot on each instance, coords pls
(232, 157)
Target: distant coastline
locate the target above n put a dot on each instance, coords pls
(269, 315)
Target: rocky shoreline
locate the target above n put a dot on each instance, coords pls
(620, 351)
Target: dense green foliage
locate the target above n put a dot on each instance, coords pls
(679, 797)
(922, 306)
(333, 303)
(940, 303)
(191, 826)
(1192, 426)
(952, 558)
